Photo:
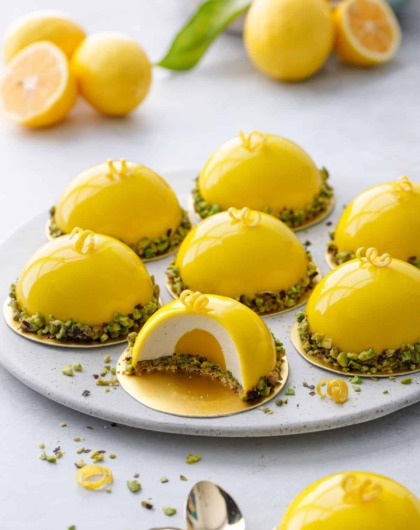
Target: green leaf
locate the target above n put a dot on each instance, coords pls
(195, 37)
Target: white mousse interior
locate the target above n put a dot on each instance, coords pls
(162, 340)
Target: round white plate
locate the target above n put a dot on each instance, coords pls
(39, 366)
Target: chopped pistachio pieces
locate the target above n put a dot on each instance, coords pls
(63, 424)
(72, 527)
(80, 463)
(77, 439)
(183, 478)
(147, 504)
(42, 455)
(77, 367)
(192, 459)
(281, 402)
(112, 456)
(357, 380)
(67, 370)
(164, 480)
(41, 445)
(51, 459)
(385, 392)
(133, 485)
(79, 332)
(107, 359)
(405, 358)
(80, 450)
(356, 388)
(263, 302)
(169, 511)
(293, 218)
(266, 410)
(290, 392)
(406, 381)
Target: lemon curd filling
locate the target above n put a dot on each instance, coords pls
(123, 200)
(263, 172)
(386, 217)
(362, 316)
(246, 255)
(83, 288)
(211, 336)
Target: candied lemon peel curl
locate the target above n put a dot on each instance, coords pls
(364, 491)
(113, 170)
(371, 255)
(246, 216)
(195, 301)
(403, 185)
(337, 389)
(85, 475)
(84, 240)
(252, 140)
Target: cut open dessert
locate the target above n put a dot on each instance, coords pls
(386, 217)
(247, 255)
(211, 336)
(123, 200)
(81, 289)
(264, 172)
(353, 500)
(364, 317)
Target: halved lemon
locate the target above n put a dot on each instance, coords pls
(37, 88)
(367, 32)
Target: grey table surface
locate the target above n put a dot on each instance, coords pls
(363, 125)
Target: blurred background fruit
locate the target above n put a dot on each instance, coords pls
(113, 73)
(42, 26)
(289, 40)
(367, 32)
(37, 87)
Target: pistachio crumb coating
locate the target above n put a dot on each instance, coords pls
(403, 359)
(145, 248)
(200, 365)
(77, 332)
(263, 302)
(292, 218)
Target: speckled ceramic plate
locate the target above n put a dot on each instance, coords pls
(39, 365)
(316, 361)
(323, 215)
(189, 395)
(302, 300)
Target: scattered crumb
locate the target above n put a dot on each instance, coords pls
(167, 510)
(192, 459)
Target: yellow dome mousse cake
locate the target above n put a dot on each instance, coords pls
(247, 255)
(123, 200)
(355, 500)
(211, 336)
(263, 172)
(83, 288)
(386, 217)
(364, 316)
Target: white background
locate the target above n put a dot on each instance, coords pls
(363, 125)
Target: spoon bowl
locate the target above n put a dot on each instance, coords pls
(209, 507)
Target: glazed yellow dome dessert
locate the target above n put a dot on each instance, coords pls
(123, 200)
(353, 500)
(263, 172)
(212, 336)
(363, 316)
(247, 255)
(386, 217)
(83, 288)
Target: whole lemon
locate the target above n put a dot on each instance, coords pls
(49, 26)
(289, 39)
(113, 73)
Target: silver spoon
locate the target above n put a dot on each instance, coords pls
(209, 507)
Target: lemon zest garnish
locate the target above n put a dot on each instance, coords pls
(81, 237)
(337, 389)
(196, 301)
(252, 140)
(246, 216)
(86, 473)
(371, 255)
(363, 492)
